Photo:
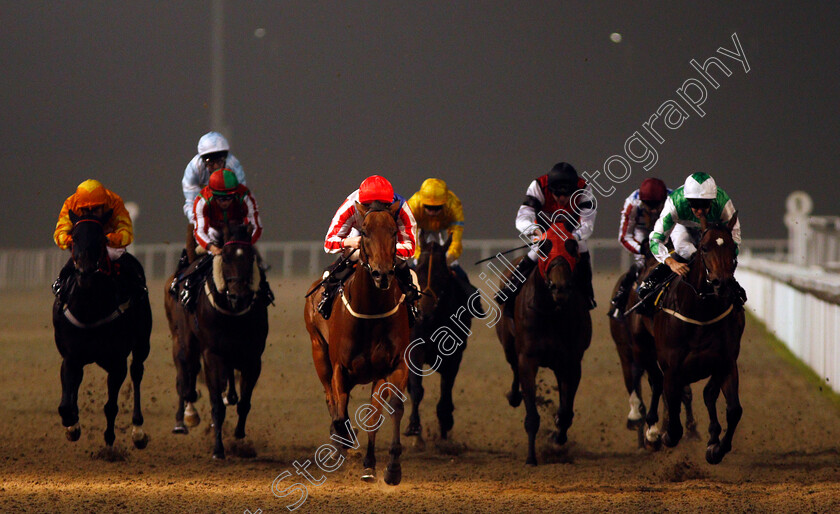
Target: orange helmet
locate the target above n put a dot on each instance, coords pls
(433, 192)
(376, 188)
(91, 193)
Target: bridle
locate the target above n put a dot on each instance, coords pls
(102, 253)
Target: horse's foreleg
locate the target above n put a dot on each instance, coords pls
(690, 423)
(68, 409)
(395, 399)
(568, 379)
(182, 383)
(673, 394)
(514, 396)
(653, 436)
(116, 377)
(340, 392)
(527, 381)
(247, 381)
(375, 415)
(445, 406)
(215, 374)
(230, 397)
(140, 438)
(715, 453)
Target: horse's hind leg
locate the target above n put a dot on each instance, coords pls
(690, 422)
(247, 381)
(445, 407)
(184, 383)
(138, 356)
(514, 396)
(416, 392)
(653, 436)
(715, 452)
(231, 398)
(116, 377)
(68, 409)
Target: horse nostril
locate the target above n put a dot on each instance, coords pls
(390, 273)
(716, 282)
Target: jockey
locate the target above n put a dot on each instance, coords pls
(343, 234)
(439, 214)
(698, 197)
(556, 196)
(223, 200)
(92, 198)
(213, 154)
(641, 210)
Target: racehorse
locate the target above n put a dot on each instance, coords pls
(551, 328)
(365, 338)
(439, 301)
(94, 324)
(227, 331)
(698, 334)
(634, 342)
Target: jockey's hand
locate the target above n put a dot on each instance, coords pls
(213, 249)
(536, 235)
(352, 242)
(450, 258)
(677, 267)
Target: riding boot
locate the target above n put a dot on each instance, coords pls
(659, 274)
(337, 273)
(264, 295)
(583, 276)
(190, 279)
(619, 301)
(507, 294)
(132, 281)
(61, 285)
(467, 289)
(739, 295)
(403, 275)
(183, 262)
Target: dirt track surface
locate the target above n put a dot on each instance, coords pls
(785, 455)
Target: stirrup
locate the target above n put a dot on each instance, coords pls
(56, 287)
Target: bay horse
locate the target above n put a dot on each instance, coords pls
(440, 300)
(698, 334)
(634, 342)
(227, 332)
(551, 328)
(365, 338)
(93, 324)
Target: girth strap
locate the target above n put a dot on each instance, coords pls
(107, 319)
(694, 321)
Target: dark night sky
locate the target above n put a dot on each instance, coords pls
(486, 95)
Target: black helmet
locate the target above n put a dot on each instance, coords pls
(562, 179)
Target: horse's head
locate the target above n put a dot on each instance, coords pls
(88, 248)
(378, 247)
(559, 256)
(432, 272)
(716, 253)
(235, 272)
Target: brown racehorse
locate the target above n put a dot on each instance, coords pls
(634, 342)
(365, 339)
(698, 334)
(551, 328)
(91, 325)
(227, 330)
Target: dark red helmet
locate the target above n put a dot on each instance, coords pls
(653, 190)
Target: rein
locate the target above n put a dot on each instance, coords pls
(369, 316)
(221, 309)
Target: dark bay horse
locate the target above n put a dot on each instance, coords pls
(227, 331)
(634, 342)
(698, 334)
(551, 328)
(365, 339)
(92, 324)
(440, 301)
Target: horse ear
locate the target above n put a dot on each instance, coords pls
(395, 209)
(572, 248)
(733, 221)
(361, 211)
(73, 217)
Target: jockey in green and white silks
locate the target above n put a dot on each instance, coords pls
(677, 210)
(699, 196)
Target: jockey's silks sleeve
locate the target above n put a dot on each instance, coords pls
(344, 221)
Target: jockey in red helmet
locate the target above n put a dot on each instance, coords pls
(343, 236)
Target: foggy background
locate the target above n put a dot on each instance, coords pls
(485, 95)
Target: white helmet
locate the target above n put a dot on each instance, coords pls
(701, 186)
(212, 142)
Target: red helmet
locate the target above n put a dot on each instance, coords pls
(376, 188)
(223, 182)
(652, 190)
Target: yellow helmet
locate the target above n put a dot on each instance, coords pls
(91, 193)
(433, 192)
